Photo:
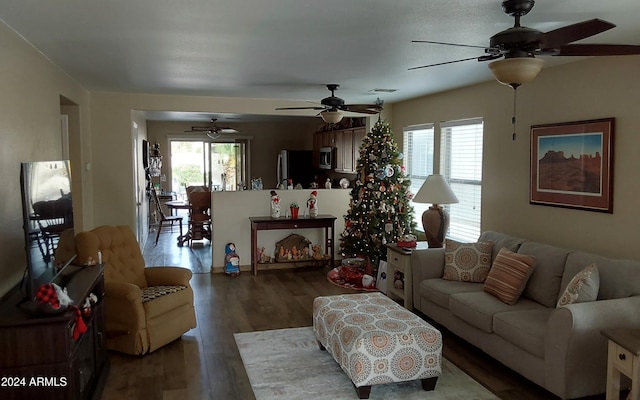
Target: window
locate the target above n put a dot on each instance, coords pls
(461, 165)
(418, 161)
(218, 165)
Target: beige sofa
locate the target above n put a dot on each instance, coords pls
(561, 349)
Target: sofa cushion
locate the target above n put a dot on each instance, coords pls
(544, 283)
(467, 262)
(478, 308)
(523, 328)
(439, 290)
(582, 288)
(508, 275)
(499, 241)
(618, 278)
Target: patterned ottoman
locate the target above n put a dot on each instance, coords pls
(376, 341)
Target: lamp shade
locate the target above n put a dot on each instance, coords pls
(516, 71)
(435, 190)
(331, 116)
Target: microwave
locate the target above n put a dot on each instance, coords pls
(326, 158)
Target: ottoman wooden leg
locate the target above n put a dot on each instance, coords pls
(429, 384)
(363, 391)
(321, 346)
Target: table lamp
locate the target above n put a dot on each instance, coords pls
(435, 220)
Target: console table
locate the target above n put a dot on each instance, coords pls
(267, 223)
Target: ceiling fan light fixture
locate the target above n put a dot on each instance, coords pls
(214, 134)
(516, 71)
(331, 116)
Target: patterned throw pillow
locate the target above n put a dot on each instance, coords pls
(509, 275)
(583, 287)
(467, 262)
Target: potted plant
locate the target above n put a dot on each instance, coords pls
(294, 210)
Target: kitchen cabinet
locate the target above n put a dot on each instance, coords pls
(346, 143)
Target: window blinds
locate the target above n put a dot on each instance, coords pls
(461, 165)
(418, 162)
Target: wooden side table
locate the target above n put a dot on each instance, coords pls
(399, 259)
(624, 358)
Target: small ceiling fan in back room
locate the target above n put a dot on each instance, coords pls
(332, 107)
(515, 49)
(213, 131)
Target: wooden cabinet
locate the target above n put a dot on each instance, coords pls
(346, 143)
(40, 359)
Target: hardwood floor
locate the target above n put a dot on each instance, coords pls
(205, 363)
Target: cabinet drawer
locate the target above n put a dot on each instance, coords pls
(397, 261)
(623, 359)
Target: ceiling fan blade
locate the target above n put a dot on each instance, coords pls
(570, 33)
(359, 110)
(598, 50)
(227, 130)
(370, 107)
(447, 44)
(302, 108)
(444, 63)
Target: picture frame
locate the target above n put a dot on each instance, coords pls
(572, 165)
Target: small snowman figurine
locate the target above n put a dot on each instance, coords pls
(275, 205)
(232, 260)
(312, 204)
(327, 184)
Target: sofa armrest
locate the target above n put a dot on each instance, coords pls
(576, 350)
(425, 264)
(157, 276)
(123, 307)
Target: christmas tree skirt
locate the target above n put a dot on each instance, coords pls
(336, 277)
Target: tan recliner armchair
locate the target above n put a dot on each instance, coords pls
(146, 308)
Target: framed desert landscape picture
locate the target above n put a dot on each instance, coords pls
(572, 165)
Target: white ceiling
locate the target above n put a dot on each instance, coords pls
(286, 49)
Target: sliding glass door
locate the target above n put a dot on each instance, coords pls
(219, 166)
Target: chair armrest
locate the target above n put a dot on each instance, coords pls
(168, 276)
(576, 350)
(123, 290)
(123, 307)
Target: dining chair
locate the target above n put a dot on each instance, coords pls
(164, 220)
(199, 216)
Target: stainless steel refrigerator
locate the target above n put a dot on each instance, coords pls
(296, 165)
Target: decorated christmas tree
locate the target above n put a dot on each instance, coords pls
(379, 210)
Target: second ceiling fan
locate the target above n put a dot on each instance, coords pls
(213, 131)
(332, 107)
(520, 45)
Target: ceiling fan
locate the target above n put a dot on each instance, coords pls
(213, 131)
(519, 45)
(332, 107)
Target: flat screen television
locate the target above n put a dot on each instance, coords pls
(48, 222)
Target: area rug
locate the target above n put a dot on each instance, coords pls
(286, 364)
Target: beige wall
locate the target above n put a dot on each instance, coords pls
(30, 90)
(591, 89)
